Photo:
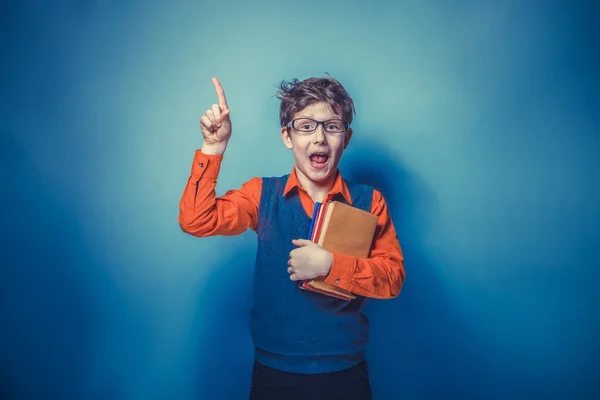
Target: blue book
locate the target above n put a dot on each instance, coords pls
(314, 219)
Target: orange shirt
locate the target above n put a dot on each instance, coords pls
(202, 214)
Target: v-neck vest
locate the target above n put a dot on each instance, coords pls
(292, 329)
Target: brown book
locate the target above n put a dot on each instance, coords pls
(343, 229)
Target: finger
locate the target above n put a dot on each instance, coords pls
(294, 277)
(211, 116)
(290, 270)
(225, 114)
(220, 92)
(206, 122)
(217, 113)
(301, 242)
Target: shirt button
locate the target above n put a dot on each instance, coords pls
(201, 165)
(337, 281)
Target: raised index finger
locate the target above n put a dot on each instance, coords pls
(220, 92)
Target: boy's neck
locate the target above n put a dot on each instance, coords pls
(316, 190)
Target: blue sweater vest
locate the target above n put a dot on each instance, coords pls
(292, 329)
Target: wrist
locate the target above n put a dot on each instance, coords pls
(328, 263)
(214, 148)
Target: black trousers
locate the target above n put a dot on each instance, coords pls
(349, 384)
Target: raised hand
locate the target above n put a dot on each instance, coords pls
(215, 123)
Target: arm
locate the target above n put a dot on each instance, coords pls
(201, 213)
(382, 274)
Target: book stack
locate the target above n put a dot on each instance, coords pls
(339, 227)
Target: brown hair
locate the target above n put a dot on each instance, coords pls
(296, 95)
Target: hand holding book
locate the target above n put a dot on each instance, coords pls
(338, 227)
(308, 260)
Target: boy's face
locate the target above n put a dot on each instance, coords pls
(317, 154)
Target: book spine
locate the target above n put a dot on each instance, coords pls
(312, 224)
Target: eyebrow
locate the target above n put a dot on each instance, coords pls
(326, 119)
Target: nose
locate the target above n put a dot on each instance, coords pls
(319, 134)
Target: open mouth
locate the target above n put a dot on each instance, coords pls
(319, 160)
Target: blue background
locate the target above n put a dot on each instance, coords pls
(479, 122)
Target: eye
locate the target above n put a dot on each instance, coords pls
(305, 125)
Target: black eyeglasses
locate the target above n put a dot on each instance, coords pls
(308, 125)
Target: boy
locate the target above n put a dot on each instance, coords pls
(307, 345)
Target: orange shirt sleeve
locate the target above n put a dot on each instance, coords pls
(381, 275)
(202, 213)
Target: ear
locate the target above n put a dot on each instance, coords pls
(347, 138)
(285, 136)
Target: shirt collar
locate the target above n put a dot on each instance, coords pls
(339, 186)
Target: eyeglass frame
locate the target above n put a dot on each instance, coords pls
(322, 123)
